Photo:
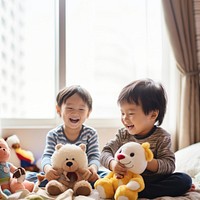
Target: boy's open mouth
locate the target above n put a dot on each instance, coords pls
(74, 120)
(130, 126)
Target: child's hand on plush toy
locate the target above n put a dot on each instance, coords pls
(71, 160)
(51, 173)
(134, 157)
(85, 173)
(94, 176)
(119, 169)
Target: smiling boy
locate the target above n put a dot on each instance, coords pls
(143, 106)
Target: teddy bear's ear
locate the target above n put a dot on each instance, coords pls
(83, 147)
(58, 146)
(148, 152)
(3, 142)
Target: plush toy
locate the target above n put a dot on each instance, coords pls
(134, 157)
(11, 177)
(26, 158)
(71, 162)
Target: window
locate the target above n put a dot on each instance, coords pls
(27, 60)
(110, 43)
(103, 45)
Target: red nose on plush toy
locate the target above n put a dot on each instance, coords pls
(120, 156)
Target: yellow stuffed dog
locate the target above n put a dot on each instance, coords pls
(134, 157)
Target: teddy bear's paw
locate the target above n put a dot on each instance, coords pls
(53, 187)
(82, 188)
(101, 192)
(104, 188)
(54, 190)
(19, 174)
(124, 193)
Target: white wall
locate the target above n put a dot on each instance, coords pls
(33, 139)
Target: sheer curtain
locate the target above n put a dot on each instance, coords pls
(110, 43)
(180, 21)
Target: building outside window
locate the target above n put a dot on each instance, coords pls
(27, 61)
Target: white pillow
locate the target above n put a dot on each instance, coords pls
(188, 160)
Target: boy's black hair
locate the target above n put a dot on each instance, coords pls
(147, 93)
(67, 92)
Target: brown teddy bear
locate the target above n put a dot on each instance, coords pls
(71, 162)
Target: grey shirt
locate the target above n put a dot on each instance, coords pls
(160, 144)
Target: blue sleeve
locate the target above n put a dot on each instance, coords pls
(49, 149)
(93, 150)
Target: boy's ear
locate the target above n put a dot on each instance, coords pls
(154, 114)
(58, 109)
(89, 113)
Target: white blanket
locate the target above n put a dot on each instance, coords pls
(41, 194)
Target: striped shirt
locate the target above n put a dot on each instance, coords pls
(87, 136)
(160, 144)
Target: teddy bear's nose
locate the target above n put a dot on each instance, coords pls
(120, 156)
(69, 164)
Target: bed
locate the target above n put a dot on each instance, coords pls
(187, 160)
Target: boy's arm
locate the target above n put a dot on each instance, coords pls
(109, 150)
(152, 165)
(93, 151)
(48, 151)
(165, 158)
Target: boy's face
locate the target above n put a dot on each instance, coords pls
(74, 112)
(134, 119)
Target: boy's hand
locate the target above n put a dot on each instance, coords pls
(119, 169)
(51, 174)
(94, 176)
(85, 173)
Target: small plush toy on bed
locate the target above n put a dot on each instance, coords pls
(25, 157)
(134, 157)
(71, 162)
(11, 177)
